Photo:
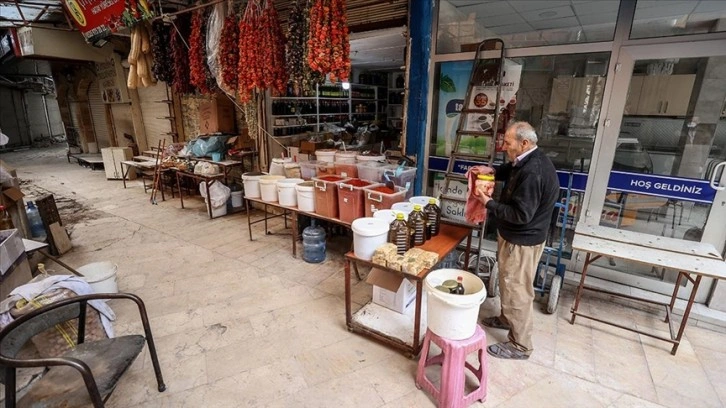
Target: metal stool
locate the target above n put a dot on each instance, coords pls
(453, 364)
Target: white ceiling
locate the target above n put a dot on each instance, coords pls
(590, 20)
(379, 49)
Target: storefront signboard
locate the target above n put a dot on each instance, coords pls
(662, 186)
(97, 19)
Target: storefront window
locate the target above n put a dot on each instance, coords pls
(670, 18)
(462, 24)
(673, 135)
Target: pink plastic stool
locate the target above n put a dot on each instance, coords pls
(453, 362)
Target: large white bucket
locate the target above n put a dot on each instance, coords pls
(236, 199)
(277, 167)
(325, 155)
(306, 196)
(453, 316)
(345, 157)
(268, 187)
(368, 234)
(101, 276)
(286, 191)
(251, 181)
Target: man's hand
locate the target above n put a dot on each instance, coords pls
(483, 194)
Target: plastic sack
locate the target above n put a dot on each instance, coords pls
(205, 146)
(206, 169)
(214, 34)
(218, 193)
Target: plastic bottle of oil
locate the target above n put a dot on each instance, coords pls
(417, 224)
(400, 234)
(433, 218)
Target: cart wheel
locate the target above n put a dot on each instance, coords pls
(493, 284)
(554, 294)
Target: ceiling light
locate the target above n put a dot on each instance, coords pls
(346, 85)
(548, 14)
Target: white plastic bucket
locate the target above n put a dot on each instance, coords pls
(286, 194)
(217, 211)
(277, 167)
(101, 276)
(453, 316)
(325, 155)
(403, 207)
(345, 157)
(251, 181)
(236, 199)
(366, 158)
(305, 196)
(371, 170)
(423, 201)
(368, 234)
(389, 215)
(268, 187)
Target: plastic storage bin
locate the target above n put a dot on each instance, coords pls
(351, 199)
(326, 195)
(371, 170)
(401, 176)
(382, 198)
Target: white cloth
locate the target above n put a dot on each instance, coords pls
(73, 283)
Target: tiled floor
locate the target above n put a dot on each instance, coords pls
(240, 323)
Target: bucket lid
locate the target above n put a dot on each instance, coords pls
(282, 160)
(326, 151)
(270, 179)
(369, 158)
(98, 271)
(305, 186)
(252, 175)
(403, 207)
(291, 165)
(346, 154)
(389, 215)
(369, 226)
(423, 200)
(289, 182)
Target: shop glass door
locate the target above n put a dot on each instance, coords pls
(667, 169)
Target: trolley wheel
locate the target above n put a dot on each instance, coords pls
(554, 294)
(493, 284)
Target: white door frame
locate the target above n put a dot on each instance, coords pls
(602, 158)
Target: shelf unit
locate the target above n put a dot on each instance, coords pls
(295, 116)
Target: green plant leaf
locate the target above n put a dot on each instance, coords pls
(446, 84)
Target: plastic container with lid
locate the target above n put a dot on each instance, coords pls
(286, 193)
(277, 167)
(268, 187)
(326, 195)
(251, 182)
(368, 234)
(305, 196)
(423, 200)
(389, 215)
(292, 170)
(370, 158)
(485, 182)
(325, 155)
(404, 207)
(401, 176)
(371, 170)
(382, 198)
(346, 169)
(345, 157)
(351, 199)
(312, 168)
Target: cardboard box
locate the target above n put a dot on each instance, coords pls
(216, 116)
(11, 248)
(392, 291)
(310, 147)
(19, 274)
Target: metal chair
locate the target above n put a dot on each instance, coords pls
(85, 375)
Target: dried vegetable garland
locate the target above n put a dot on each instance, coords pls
(328, 42)
(302, 78)
(181, 54)
(163, 67)
(197, 53)
(140, 58)
(273, 61)
(228, 56)
(249, 75)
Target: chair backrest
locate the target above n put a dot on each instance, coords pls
(15, 335)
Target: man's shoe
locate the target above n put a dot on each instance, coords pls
(506, 351)
(494, 322)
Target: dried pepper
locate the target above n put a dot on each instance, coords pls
(249, 77)
(302, 78)
(228, 56)
(163, 67)
(180, 54)
(275, 76)
(328, 42)
(197, 54)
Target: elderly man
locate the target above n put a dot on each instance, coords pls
(523, 214)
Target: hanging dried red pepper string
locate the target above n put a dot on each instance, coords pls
(328, 42)
(228, 56)
(197, 59)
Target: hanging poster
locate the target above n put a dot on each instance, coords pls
(111, 79)
(453, 82)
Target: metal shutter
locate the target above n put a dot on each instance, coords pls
(12, 120)
(122, 122)
(36, 115)
(56, 122)
(155, 113)
(98, 114)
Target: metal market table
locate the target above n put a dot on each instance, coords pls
(208, 181)
(392, 325)
(692, 260)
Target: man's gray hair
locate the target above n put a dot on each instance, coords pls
(524, 130)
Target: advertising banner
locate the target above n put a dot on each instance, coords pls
(111, 80)
(97, 19)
